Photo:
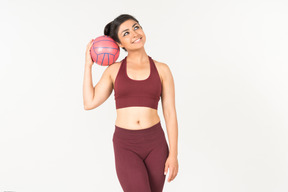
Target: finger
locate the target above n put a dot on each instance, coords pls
(166, 169)
(90, 42)
(173, 174)
(170, 178)
(88, 49)
(90, 45)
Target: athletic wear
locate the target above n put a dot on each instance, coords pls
(140, 157)
(129, 92)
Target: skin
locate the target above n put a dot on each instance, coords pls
(138, 69)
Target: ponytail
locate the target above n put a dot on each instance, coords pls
(107, 29)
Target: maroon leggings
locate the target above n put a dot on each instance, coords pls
(140, 157)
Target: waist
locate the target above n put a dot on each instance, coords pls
(136, 117)
(151, 130)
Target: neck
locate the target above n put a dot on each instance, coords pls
(137, 56)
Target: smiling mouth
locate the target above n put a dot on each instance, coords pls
(137, 39)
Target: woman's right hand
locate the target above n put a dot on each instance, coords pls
(88, 59)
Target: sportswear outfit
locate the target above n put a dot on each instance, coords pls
(140, 155)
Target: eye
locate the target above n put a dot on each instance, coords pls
(128, 32)
(125, 33)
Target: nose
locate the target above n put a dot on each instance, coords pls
(135, 34)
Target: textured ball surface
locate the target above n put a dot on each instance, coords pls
(104, 50)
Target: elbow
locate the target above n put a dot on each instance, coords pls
(89, 107)
(87, 104)
(86, 108)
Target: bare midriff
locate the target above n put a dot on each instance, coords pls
(136, 118)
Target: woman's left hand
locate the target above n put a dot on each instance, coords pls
(172, 164)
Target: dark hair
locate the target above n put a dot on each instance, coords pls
(111, 29)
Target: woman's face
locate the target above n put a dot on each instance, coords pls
(130, 31)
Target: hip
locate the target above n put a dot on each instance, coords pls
(150, 135)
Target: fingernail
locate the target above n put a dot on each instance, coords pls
(164, 173)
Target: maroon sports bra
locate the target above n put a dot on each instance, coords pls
(129, 92)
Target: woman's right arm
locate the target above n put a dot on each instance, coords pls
(93, 97)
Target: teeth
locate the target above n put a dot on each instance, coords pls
(137, 40)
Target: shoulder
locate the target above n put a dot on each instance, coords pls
(114, 65)
(113, 69)
(161, 65)
(162, 68)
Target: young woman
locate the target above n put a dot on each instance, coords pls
(142, 156)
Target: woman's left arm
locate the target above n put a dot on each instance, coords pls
(169, 112)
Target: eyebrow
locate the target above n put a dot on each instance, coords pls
(128, 29)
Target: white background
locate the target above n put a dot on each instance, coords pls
(229, 63)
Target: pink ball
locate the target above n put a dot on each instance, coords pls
(104, 50)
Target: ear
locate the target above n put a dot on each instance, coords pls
(119, 44)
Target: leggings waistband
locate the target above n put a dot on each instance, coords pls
(152, 129)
